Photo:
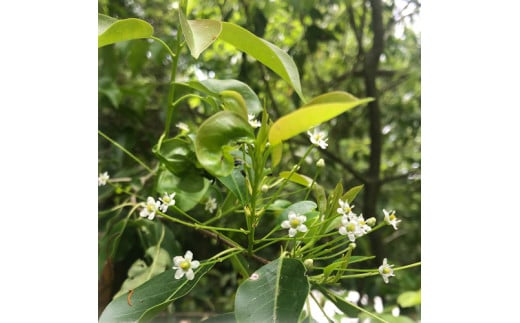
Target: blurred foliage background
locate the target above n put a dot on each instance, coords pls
(370, 48)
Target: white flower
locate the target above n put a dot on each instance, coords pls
(167, 200)
(211, 205)
(350, 227)
(391, 219)
(295, 223)
(149, 208)
(318, 138)
(345, 208)
(183, 126)
(103, 179)
(185, 265)
(386, 271)
(363, 225)
(252, 121)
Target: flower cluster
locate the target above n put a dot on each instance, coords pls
(352, 225)
(151, 206)
(211, 205)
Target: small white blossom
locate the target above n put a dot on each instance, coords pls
(103, 179)
(350, 227)
(363, 225)
(295, 223)
(211, 205)
(149, 208)
(318, 138)
(185, 265)
(345, 208)
(167, 200)
(391, 219)
(252, 121)
(182, 126)
(386, 271)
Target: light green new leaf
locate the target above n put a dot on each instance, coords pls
(317, 111)
(111, 30)
(265, 52)
(409, 298)
(297, 178)
(216, 138)
(351, 194)
(274, 293)
(150, 298)
(199, 34)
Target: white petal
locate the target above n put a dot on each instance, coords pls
(188, 256)
(302, 228)
(286, 224)
(195, 264)
(179, 273)
(151, 216)
(143, 213)
(190, 274)
(292, 232)
(177, 260)
(292, 215)
(302, 218)
(342, 230)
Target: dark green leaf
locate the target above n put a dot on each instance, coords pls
(150, 298)
(274, 293)
(217, 137)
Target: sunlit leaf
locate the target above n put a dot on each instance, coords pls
(317, 111)
(274, 293)
(199, 34)
(111, 30)
(265, 52)
(217, 137)
(351, 194)
(147, 300)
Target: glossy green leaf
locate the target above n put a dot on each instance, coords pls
(409, 298)
(265, 52)
(233, 101)
(217, 137)
(150, 298)
(274, 293)
(236, 183)
(199, 34)
(111, 30)
(317, 111)
(297, 178)
(176, 155)
(189, 189)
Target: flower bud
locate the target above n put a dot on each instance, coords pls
(352, 245)
(371, 221)
(265, 188)
(320, 163)
(308, 263)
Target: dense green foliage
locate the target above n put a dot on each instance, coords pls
(353, 46)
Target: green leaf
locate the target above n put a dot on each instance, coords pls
(111, 30)
(176, 155)
(317, 111)
(233, 101)
(409, 298)
(265, 52)
(150, 298)
(297, 178)
(199, 34)
(216, 138)
(236, 183)
(189, 189)
(251, 99)
(274, 293)
(351, 194)
(222, 318)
